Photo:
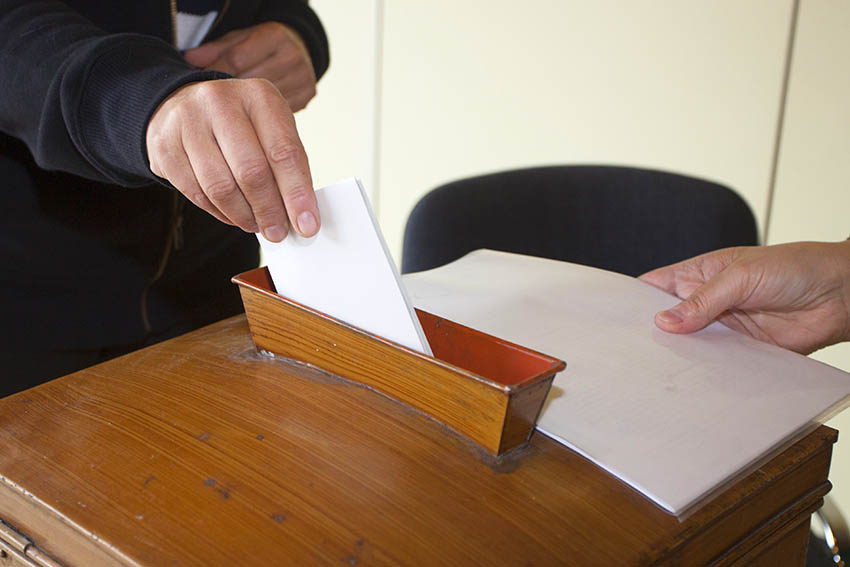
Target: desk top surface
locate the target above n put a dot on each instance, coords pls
(198, 451)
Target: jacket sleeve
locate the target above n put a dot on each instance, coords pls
(80, 98)
(299, 15)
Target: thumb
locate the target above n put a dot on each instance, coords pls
(206, 53)
(202, 55)
(703, 306)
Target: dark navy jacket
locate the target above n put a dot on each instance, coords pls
(94, 253)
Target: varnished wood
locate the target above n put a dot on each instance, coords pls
(483, 387)
(789, 550)
(200, 452)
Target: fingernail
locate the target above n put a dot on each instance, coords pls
(307, 224)
(671, 316)
(274, 233)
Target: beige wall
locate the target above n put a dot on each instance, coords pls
(478, 86)
(338, 126)
(420, 93)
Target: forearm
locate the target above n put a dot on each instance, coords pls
(78, 97)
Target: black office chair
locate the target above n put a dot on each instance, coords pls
(618, 218)
(829, 538)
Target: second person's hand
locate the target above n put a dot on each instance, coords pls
(232, 148)
(794, 295)
(271, 51)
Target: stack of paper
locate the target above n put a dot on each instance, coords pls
(675, 416)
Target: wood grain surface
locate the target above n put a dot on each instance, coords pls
(200, 452)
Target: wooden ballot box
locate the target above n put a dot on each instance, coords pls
(199, 451)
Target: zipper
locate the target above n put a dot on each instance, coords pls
(174, 238)
(173, 8)
(219, 17)
(173, 242)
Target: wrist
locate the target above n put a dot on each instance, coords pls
(843, 264)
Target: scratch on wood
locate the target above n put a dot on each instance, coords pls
(148, 480)
(223, 491)
(354, 558)
(204, 436)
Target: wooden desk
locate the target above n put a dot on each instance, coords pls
(200, 452)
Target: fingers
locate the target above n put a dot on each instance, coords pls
(270, 51)
(662, 278)
(292, 76)
(296, 38)
(711, 284)
(249, 52)
(252, 173)
(215, 179)
(275, 127)
(232, 147)
(299, 99)
(243, 49)
(716, 296)
(177, 168)
(204, 55)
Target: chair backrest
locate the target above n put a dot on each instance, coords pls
(621, 219)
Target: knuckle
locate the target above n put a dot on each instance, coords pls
(309, 95)
(214, 93)
(234, 57)
(208, 95)
(267, 213)
(253, 174)
(220, 189)
(263, 87)
(286, 156)
(206, 89)
(158, 145)
(196, 196)
(272, 29)
(698, 303)
(298, 194)
(292, 59)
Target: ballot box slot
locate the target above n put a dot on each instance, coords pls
(487, 389)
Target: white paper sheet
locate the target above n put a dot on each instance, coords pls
(675, 416)
(346, 270)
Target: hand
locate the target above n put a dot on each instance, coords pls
(232, 148)
(271, 51)
(793, 295)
